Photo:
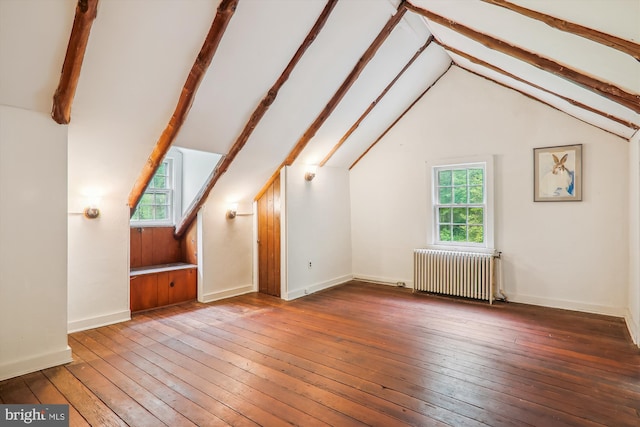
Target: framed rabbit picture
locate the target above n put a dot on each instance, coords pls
(557, 173)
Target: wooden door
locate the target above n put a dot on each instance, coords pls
(269, 240)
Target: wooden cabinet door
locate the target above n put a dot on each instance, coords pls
(182, 285)
(164, 297)
(144, 292)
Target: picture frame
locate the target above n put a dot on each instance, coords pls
(557, 173)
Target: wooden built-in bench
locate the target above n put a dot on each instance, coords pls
(161, 270)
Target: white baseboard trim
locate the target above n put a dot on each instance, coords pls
(633, 327)
(226, 293)
(383, 280)
(567, 305)
(96, 322)
(317, 287)
(44, 361)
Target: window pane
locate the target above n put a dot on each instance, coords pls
(476, 234)
(445, 215)
(460, 177)
(459, 195)
(459, 233)
(476, 216)
(444, 195)
(475, 194)
(445, 233)
(161, 212)
(146, 212)
(444, 178)
(147, 199)
(159, 182)
(476, 176)
(459, 215)
(161, 199)
(162, 169)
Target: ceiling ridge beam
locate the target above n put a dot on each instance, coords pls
(485, 64)
(623, 45)
(86, 12)
(375, 102)
(339, 94)
(610, 91)
(224, 13)
(540, 100)
(253, 121)
(382, 135)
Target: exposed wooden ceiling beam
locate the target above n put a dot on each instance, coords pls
(253, 121)
(400, 117)
(616, 94)
(339, 94)
(86, 12)
(626, 46)
(375, 102)
(485, 64)
(212, 41)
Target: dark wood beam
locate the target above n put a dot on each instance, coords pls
(346, 85)
(339, 94)
(212, 41)
(623, 45)
(616, 94)
(86, 12)
(400, 117)
(375, 102)
(528, 83)
(253, 121)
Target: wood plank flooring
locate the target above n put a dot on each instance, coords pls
(358, 354)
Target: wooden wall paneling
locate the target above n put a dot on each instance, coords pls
(262, 243)
(275, 244)
(269, 240)
(146, 245)
(135, 248)
(189, 244)
(165, 248)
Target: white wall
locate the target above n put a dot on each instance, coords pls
(633, 315)
(226, 258)
(572, 255)
(196, 168)
(33, 241)
(318, 230)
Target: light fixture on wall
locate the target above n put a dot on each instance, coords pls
(232, 211)
(91, 212)
(310, 172)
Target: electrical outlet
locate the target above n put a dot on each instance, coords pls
(401, 284)
(309, 264)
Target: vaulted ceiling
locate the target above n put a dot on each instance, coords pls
(139, 55)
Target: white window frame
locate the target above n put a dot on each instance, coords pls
(486, 163)
(174, 160)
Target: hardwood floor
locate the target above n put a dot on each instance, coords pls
(357, 354)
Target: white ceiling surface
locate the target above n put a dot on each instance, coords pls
(616, 17)
(140, 53)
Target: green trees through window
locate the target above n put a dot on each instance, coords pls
(460, 203)
(156, 203)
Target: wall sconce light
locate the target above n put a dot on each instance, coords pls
(232, 211)
(91, 212)
(310, 173)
